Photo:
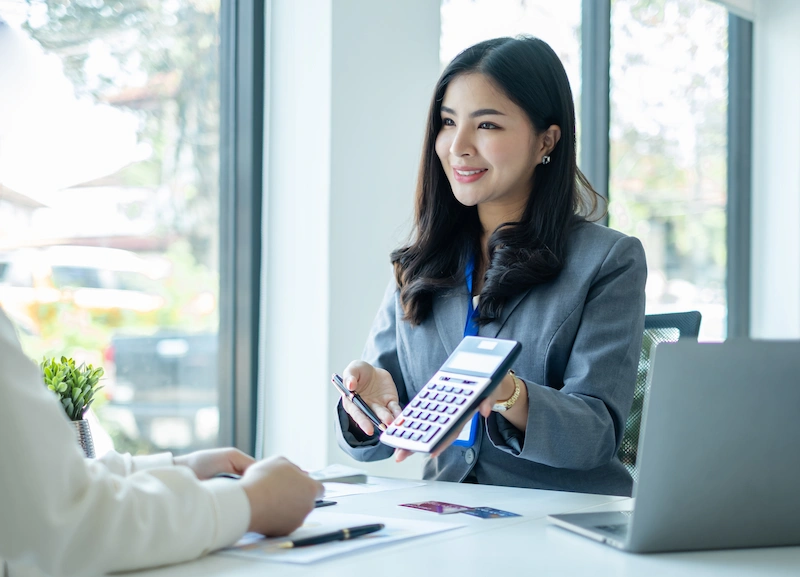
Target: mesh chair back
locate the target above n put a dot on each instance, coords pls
(657, 329)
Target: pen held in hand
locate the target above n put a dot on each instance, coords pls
(357, 401)
(342, 535)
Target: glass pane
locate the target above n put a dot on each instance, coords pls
(109, 156)
(668, 157)
(467, 22)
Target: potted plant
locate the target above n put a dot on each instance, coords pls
(76, 387)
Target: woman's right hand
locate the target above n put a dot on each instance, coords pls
(376, 387)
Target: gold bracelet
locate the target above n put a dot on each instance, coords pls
(502, 407)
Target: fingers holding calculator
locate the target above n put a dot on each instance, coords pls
(375, 388)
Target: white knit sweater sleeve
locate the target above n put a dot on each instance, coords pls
(73, 516)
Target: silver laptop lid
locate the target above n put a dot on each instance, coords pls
(719, 457)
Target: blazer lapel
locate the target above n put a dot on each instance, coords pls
(493, 328)
(450, 314)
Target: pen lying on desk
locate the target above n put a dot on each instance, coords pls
(342, 535)
(358, 401)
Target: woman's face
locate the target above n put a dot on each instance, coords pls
(487, 145)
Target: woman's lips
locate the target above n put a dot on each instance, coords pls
(467, 175)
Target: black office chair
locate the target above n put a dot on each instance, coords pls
(657, 328)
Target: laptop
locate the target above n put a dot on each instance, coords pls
(719, 452)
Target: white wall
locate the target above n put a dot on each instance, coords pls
(296, 228)
(776, 171)
(349, 86)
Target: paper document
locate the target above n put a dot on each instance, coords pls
(373, 485)
(259, 548)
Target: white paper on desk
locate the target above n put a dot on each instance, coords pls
(256, 547)
(373, 485)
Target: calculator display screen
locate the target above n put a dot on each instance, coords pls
(474, 362)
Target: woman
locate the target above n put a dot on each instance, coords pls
(502, 239)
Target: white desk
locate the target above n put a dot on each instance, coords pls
(526, 545)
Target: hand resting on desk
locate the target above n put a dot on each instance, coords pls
(281, 495)
(208, 463)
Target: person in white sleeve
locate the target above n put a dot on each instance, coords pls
(61, 514)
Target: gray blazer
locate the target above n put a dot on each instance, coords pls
(580, 334)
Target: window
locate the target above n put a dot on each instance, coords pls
(668, 149)
(110, 159)
(668, 140)
(467, 22)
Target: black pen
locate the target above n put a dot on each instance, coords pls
(358, 401)
(342, 535)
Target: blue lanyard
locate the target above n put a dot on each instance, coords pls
(471, 326)
(469, 434)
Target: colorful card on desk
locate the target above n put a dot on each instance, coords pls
(438, 507)
(490, 513)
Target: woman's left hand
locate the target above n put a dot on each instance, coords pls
(211, 462)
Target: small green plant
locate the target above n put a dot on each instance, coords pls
(75, 386)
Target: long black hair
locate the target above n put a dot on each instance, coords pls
(446, 233)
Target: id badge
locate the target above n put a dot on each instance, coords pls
(466, 438)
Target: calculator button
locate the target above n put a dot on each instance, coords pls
(416, 403)
(467, 392)
(444, 420)
(408, 411)
(461, 401)
(450, 398)
(391, 430)
(416, 425)
(452, 410)
(440, 388)
(416, 436)
(424, 395)
(407, 424)
(458, 390)
(432, 386)
(416, 414)
(399, 422)
(430, 434)
(407, 434)
(443, 408)
(398, 432)
(434, 419)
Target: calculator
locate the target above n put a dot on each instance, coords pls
(448, 400)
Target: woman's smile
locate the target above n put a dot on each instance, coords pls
(466, 174)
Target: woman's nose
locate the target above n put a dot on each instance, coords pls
(462, 144)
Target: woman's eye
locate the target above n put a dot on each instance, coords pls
(487, 125)
(448, 122)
